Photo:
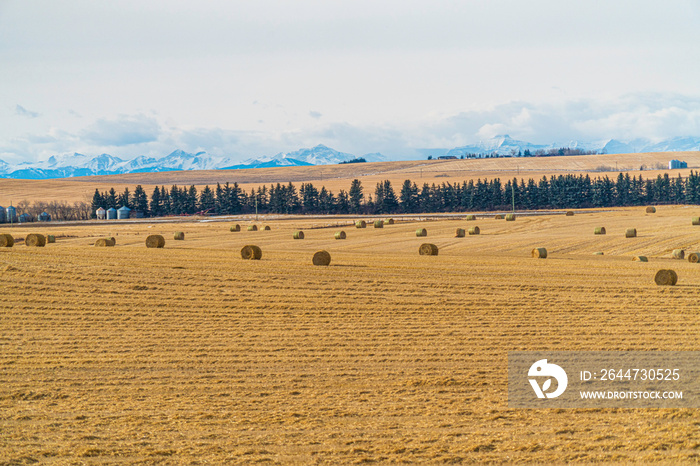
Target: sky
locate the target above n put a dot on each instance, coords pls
(245, 79)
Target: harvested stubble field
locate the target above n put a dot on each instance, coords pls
(191, 354)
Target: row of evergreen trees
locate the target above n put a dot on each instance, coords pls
(555, 192)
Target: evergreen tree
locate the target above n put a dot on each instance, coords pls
(97, 202)
(191, 199)
(220, 199)
(111, 199)
(326, 201)
(176, 201)
(343, 204)
(124, 199)
(140, 200)
(409, 197)
(309, 198)
(207, 201)
(156, 206)
(356, 196)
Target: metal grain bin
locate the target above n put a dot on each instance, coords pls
(2, 214)
(44, 217)
(101, 214)
(111, 213)
(11, 215)
(123, 213)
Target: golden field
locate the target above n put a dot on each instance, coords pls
(337, 177)
(190, 354)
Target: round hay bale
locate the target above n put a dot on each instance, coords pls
(360, 224)
(539, 253)
(389, 221)
(340, 235)
(599, 230)
(379, 224)
(498, 217)
(252, 228)
(35, 240)
(666, 277)
(155, 241)
(321, 258)
(50, 239)
(421, 232)
(640, 259)
(179, 236)
(428, 249)
(235, 227)
(299, 234)
(474, 231)
(631, 233)
(104, 242)
(569, 213)
(114, 240)
(510, 218)
(471, 217)
(696, 221)
(651, 210)
(267, 228)
(251, 253)
(694, 257)
(6, 240)
(459, 233)
(678, 254)
(599, 253)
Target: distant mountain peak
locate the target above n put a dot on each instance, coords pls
(76, 164)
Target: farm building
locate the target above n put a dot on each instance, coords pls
(11, 215)
(123, 213)
(44, 217)
(25, 217)
(674, 164)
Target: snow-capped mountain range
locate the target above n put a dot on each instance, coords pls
(71, 165)
(505, 145)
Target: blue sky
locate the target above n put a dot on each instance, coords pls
(252, 78)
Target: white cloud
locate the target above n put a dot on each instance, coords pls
(123, 131)
(21, 111)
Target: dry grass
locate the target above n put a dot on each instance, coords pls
(190, 354)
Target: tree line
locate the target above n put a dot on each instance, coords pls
(555, 192)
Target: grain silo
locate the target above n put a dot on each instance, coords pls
(2, 214)
(101, 213)
(123, 213)
(25, 218)
(11, 215)
(111, 213)
(44, 217)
